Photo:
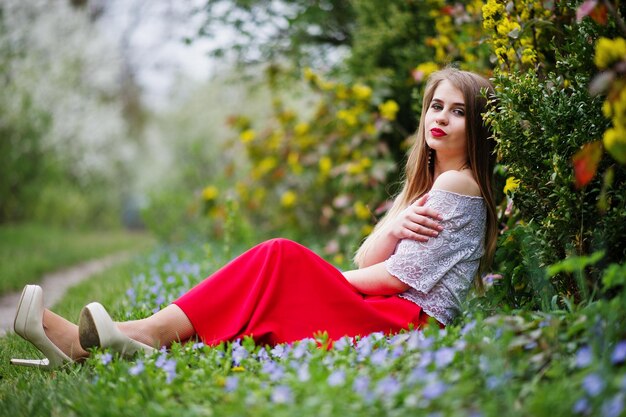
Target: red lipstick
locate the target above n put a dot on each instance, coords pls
(436, 132)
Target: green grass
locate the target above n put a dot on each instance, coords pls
(28, 251)
(521, 364)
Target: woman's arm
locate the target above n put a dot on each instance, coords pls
(375, 280)
(415, 222)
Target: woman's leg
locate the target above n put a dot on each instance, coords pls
(64, 334)
(161, 329)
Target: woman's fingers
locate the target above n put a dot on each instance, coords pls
(425, 221)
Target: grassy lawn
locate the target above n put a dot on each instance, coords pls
(558, 363)
(28, 251)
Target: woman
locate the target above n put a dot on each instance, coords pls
(416, 266)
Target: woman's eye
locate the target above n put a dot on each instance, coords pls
(436, 106)
(459, 112)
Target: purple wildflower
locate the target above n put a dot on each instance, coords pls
(593, 384)
(282, 395)
(426, 359)
(231, 383)
(434, 389)
(137, 369)
(584, 356)
(303, 373)
(582, 406)
(387, 387)
(468, 327)
(342, 343)
(619, 353)
(397, 352)
(273, 370)
(337, 378)
(279, 351)
(444, 357)
(379, 357)
(613, 407)
(239, 353)
(197, 345)
(169, 367)
(106, 358)
(263, 355)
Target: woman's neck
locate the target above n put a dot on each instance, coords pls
(458, 164)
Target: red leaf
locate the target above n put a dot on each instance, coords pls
(586, 163)
(600, 14)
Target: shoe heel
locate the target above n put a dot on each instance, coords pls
(34, 363)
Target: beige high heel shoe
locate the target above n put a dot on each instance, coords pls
(97, 329)
(29, 325)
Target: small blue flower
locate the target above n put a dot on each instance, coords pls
(582, 406)
(593, 384)
(231, 383)
(337, 378)
(619, 353)
(468, 327)
(434, 389)
(279, 351)
(137, 369)
(444, 357)
(106, 358)
(198, 345)
(361, 384)
(282, 395)
(303, 373)
(239, 353)
(273, 370)
(584, 356)
(342, 343)
(170, 370)
(388, 387)
(379, 357)
(613, 407)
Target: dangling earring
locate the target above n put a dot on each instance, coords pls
(431, 161)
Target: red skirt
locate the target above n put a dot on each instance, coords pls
(280, 291)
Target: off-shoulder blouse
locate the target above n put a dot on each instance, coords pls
(440, 271)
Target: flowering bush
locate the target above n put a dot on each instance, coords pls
(317, 176)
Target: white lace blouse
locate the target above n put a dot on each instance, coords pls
(440, 271)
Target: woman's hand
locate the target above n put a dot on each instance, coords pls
(416, 222)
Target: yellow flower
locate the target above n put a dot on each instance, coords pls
(237, 369)
(342, 92)
(288, 199)
(615, 143)
(361, 211)
(301, 129)
(354, 168)
(362, 92)
(347, 116)
(529, 56)
(609, 51)
(511, 185)
(293, 161)
(389, 109)
(338, 259)
(210, 193)
(247, 136)
(366, 230)
(325, 165)
(309, 75)
(423, 71)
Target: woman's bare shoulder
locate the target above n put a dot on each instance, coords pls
(460, 182)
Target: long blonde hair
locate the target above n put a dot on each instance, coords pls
(419, 175)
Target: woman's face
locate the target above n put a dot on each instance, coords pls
(445, 122)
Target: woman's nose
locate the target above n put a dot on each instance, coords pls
(441, 119)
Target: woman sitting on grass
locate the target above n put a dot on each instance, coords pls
(417, 266)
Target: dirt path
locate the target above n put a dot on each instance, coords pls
(55, 285)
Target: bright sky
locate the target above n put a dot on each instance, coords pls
(151, 33)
